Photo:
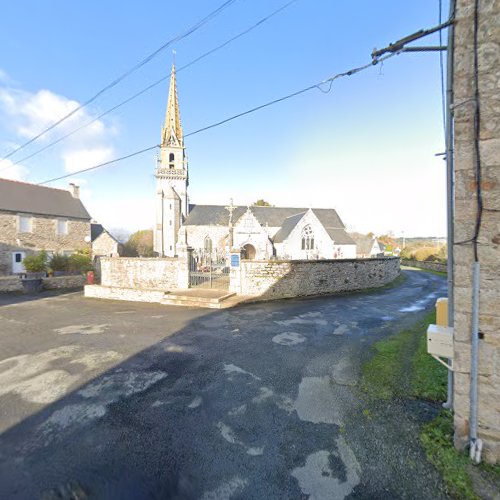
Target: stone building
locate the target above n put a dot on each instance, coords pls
(260, 232)
(477, 178)
(104, 244)
(34, 218)
(367, 246)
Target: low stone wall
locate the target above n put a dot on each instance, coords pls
(10, 284)
(120, 293)
(140, 273)
(64, 282)
(283, 279)
(429, 266)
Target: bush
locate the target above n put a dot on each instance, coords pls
(424, 253)
(36, 263)
(80, 263)
(59, 262)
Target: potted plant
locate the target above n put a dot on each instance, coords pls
(36, 269)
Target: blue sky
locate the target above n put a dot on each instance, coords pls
(366, 149)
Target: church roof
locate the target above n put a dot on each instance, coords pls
(364, 243)
(172, 131)
(283, 217)
(287, 227)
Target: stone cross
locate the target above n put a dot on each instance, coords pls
(231, 208)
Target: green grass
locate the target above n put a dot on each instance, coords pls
(401, 368)
(388, 373)
(437, 440)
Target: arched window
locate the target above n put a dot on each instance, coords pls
(307, 238)
(171, 159)
(208, 245)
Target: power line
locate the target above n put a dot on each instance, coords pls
(149, 87)
(324, 86)
(101, 164)
(127, 73)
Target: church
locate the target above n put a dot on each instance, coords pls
(259, 232)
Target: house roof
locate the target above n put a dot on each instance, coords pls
(22, 197)
(96, 230)
(364, 244)
(339, 236)
(206, 215)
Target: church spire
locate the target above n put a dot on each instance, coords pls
(172, 131)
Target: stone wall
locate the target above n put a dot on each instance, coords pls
(429, 266)
(43, 236)
(14, 284)
(141, 273)
(299, 278)
(10, 284)
(465, 219)
(105, 245)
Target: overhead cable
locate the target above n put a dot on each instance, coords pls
(149, 87)
(324, 86)
(127, 73)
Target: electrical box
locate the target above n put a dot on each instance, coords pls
(440, 341)
(442, 311)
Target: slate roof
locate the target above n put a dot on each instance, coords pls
(22, 197)
(287, 227)
(206, 215)
(96, 230)
(339, 236)
(364, 243)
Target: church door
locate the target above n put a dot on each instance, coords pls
(248, 252)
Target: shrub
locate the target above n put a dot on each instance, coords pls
(423, 253)
(59, 262)
(80, 263)
(36, 263)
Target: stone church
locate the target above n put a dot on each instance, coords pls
(259, 232)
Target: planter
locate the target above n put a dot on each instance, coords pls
(32, 285)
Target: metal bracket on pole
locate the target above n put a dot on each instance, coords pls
(399, 46)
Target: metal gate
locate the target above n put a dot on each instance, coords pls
(209, 270)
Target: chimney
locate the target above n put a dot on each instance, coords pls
(74, 190)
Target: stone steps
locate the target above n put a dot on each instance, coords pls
(214, 300)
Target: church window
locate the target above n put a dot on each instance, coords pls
(307, 238)
(170, 222)
(171, 159)
(208, 245)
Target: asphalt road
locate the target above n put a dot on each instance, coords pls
(105, 399)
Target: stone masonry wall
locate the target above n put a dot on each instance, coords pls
(429, 266)
(140, 273)
(42, 237)
(465, 218)
(10, 284)
(282, 279)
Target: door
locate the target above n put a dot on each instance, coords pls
(17, 262)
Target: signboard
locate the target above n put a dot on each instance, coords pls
(235, 260)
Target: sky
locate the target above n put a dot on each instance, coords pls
(367, 148)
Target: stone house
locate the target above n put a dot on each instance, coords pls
(104, 244)
(34, 218)
(260, 232)
(477, 225)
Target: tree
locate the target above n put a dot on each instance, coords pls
(261, 203)
(140, 244)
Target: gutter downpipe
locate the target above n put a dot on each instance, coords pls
(450, 188)
(476, 445)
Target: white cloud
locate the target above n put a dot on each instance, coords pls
(14, 172)
(79, 159)
(27, 114)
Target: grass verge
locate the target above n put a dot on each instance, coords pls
(401, 368)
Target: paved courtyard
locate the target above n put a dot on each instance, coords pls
(126, 400)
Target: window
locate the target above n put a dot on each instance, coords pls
(18, 257)
(171, 157)
(62, 226)
(307, 238)
(25, 224)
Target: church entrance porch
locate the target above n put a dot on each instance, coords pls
(248, 252)
(208, 270)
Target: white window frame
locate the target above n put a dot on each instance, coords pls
(58, 227)
(20, 225)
